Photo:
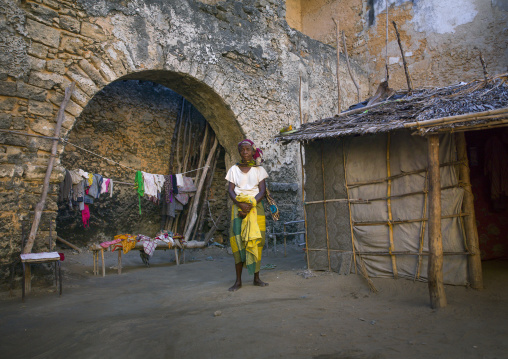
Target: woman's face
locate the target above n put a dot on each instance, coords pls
(246, 152)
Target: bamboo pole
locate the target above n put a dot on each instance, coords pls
(192, 212)
(381, 180)
(42, 203)
(178, 136)
(389, 206)
(462, 118)
(337, 200)
(478, 127)
(435, 268)
(304, 208)
(406, 70)
(68, 243)
(386, 223)
(337, 38)
(300, 102)
(349, 68)
(388, 253)
(349, 207)
(422, 228)
(474, 260)
(484, 67)
(324, 205)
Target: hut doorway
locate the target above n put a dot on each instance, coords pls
(141, 125)
(488, 163)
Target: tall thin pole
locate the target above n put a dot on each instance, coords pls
(337, 38)
(326, 214)
(435, 268)
(40, 206)
(304, 209)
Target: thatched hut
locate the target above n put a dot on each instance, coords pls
(381, 180)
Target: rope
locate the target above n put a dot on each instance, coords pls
(110, 160)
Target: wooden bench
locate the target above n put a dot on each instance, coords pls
(179, 252)
(45, 257)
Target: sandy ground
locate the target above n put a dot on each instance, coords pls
(169, 311)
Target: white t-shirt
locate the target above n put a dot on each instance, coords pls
(246, 183)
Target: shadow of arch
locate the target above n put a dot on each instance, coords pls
(218, 114)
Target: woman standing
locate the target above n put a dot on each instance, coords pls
(247, 231)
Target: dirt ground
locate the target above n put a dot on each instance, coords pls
(169, 311)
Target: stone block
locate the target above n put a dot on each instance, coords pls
(51, 3)
(42, 33)
(30, 92)
(38, 50)
(43, 126)
(42, 13)
(71, 44)
(7, 103)
(7, 88)
(80, 97)
(43, 80)
(5, 120)
(56, 65)
(40, 108)
(82, 80)
(36, 63)
(18, 123)
(70, 23)
(13, 140)
(92, 72)
(93, 31)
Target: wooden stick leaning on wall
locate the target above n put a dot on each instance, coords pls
(389, 207)
(204, 203)
(42, 203)
(422, 227)
(193, 211)
(406, 70)
(474, 259)
(349, 207)
(304, 208)
(326, 213)
(349, 68)
(435, 267)
(337, 42)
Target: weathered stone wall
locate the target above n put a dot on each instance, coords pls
(441, 39)
(238, 63)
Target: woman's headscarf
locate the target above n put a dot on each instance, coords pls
(258, 153)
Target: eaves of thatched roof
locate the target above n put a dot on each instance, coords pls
(479, 104)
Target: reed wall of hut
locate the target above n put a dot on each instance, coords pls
(390, 235)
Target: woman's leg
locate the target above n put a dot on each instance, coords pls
(262, 227)
(238, 283)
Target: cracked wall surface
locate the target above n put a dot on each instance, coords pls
(441, 39)
(238, 63)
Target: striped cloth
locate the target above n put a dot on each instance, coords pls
(249, 260)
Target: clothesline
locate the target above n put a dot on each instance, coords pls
(110, 160)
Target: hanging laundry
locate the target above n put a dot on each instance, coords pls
(168, 188)
(83, 173)
(140, 187)
(173, 183)
(105, 185)
(76, 176)
(95, 187)
(187, 186)
(110, 188)
(179, 179)
(65, 187)
(85, 216)
(150, 186)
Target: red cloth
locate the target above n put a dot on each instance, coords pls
(62, 256)
(85, 216)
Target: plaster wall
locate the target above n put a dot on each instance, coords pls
(238, 63)
(441, 39)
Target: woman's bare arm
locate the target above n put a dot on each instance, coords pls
(262, 191)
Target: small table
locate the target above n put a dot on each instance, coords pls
(45, 257)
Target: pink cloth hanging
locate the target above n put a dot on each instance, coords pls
(85, 216)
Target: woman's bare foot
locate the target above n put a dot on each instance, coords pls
(260, 283)
(235, 287)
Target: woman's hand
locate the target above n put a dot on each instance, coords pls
(245, 207)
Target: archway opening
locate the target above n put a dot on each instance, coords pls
(139, 123)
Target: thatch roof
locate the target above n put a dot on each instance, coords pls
(476, 105)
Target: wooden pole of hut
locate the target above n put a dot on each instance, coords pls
(337, 38)
(435, 268)
(42, 203)
(349, 67)
(473, 260)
